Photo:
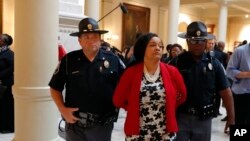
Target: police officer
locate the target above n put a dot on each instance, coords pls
(89, 76)
(203, 76)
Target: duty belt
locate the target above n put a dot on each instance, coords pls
(89, 119)
(190, 110)
(205, 112)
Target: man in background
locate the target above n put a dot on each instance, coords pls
(238, 69)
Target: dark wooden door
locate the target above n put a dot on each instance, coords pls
(135, 21)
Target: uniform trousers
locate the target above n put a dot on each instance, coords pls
(241, 106)
(191, 128)
(75, 132)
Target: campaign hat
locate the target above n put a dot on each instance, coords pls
(197, 31)
(88, 25)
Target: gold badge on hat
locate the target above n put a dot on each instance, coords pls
(106, 64)
(90, 27)
(198, 33)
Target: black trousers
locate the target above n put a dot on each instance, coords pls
(241, 106)
(93, 133)
(7, 111)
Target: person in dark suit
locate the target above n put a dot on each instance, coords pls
(224, 56)
(6, 79)
(165, 56)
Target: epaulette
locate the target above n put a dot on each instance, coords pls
(108, 52)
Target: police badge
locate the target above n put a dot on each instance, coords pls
(90, 27)
(106, 64)
(198, 33)
(210, 66)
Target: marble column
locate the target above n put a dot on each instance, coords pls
(173, 17)
(91, 9)
(36, 55)
(222, 25)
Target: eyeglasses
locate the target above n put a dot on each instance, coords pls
(193, 42)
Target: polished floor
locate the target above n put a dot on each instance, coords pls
(118, 135)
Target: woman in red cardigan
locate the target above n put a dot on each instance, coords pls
(150, 91)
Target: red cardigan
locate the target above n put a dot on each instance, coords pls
(127, 96)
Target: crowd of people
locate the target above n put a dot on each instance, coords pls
(168, 97)
(163, 96)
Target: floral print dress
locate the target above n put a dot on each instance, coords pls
(152, 113)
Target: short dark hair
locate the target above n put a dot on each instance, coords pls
(244, 42)
(176, 45)
(141, 45)
(7, 39)
(168, 47)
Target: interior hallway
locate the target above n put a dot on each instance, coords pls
(118, 135)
